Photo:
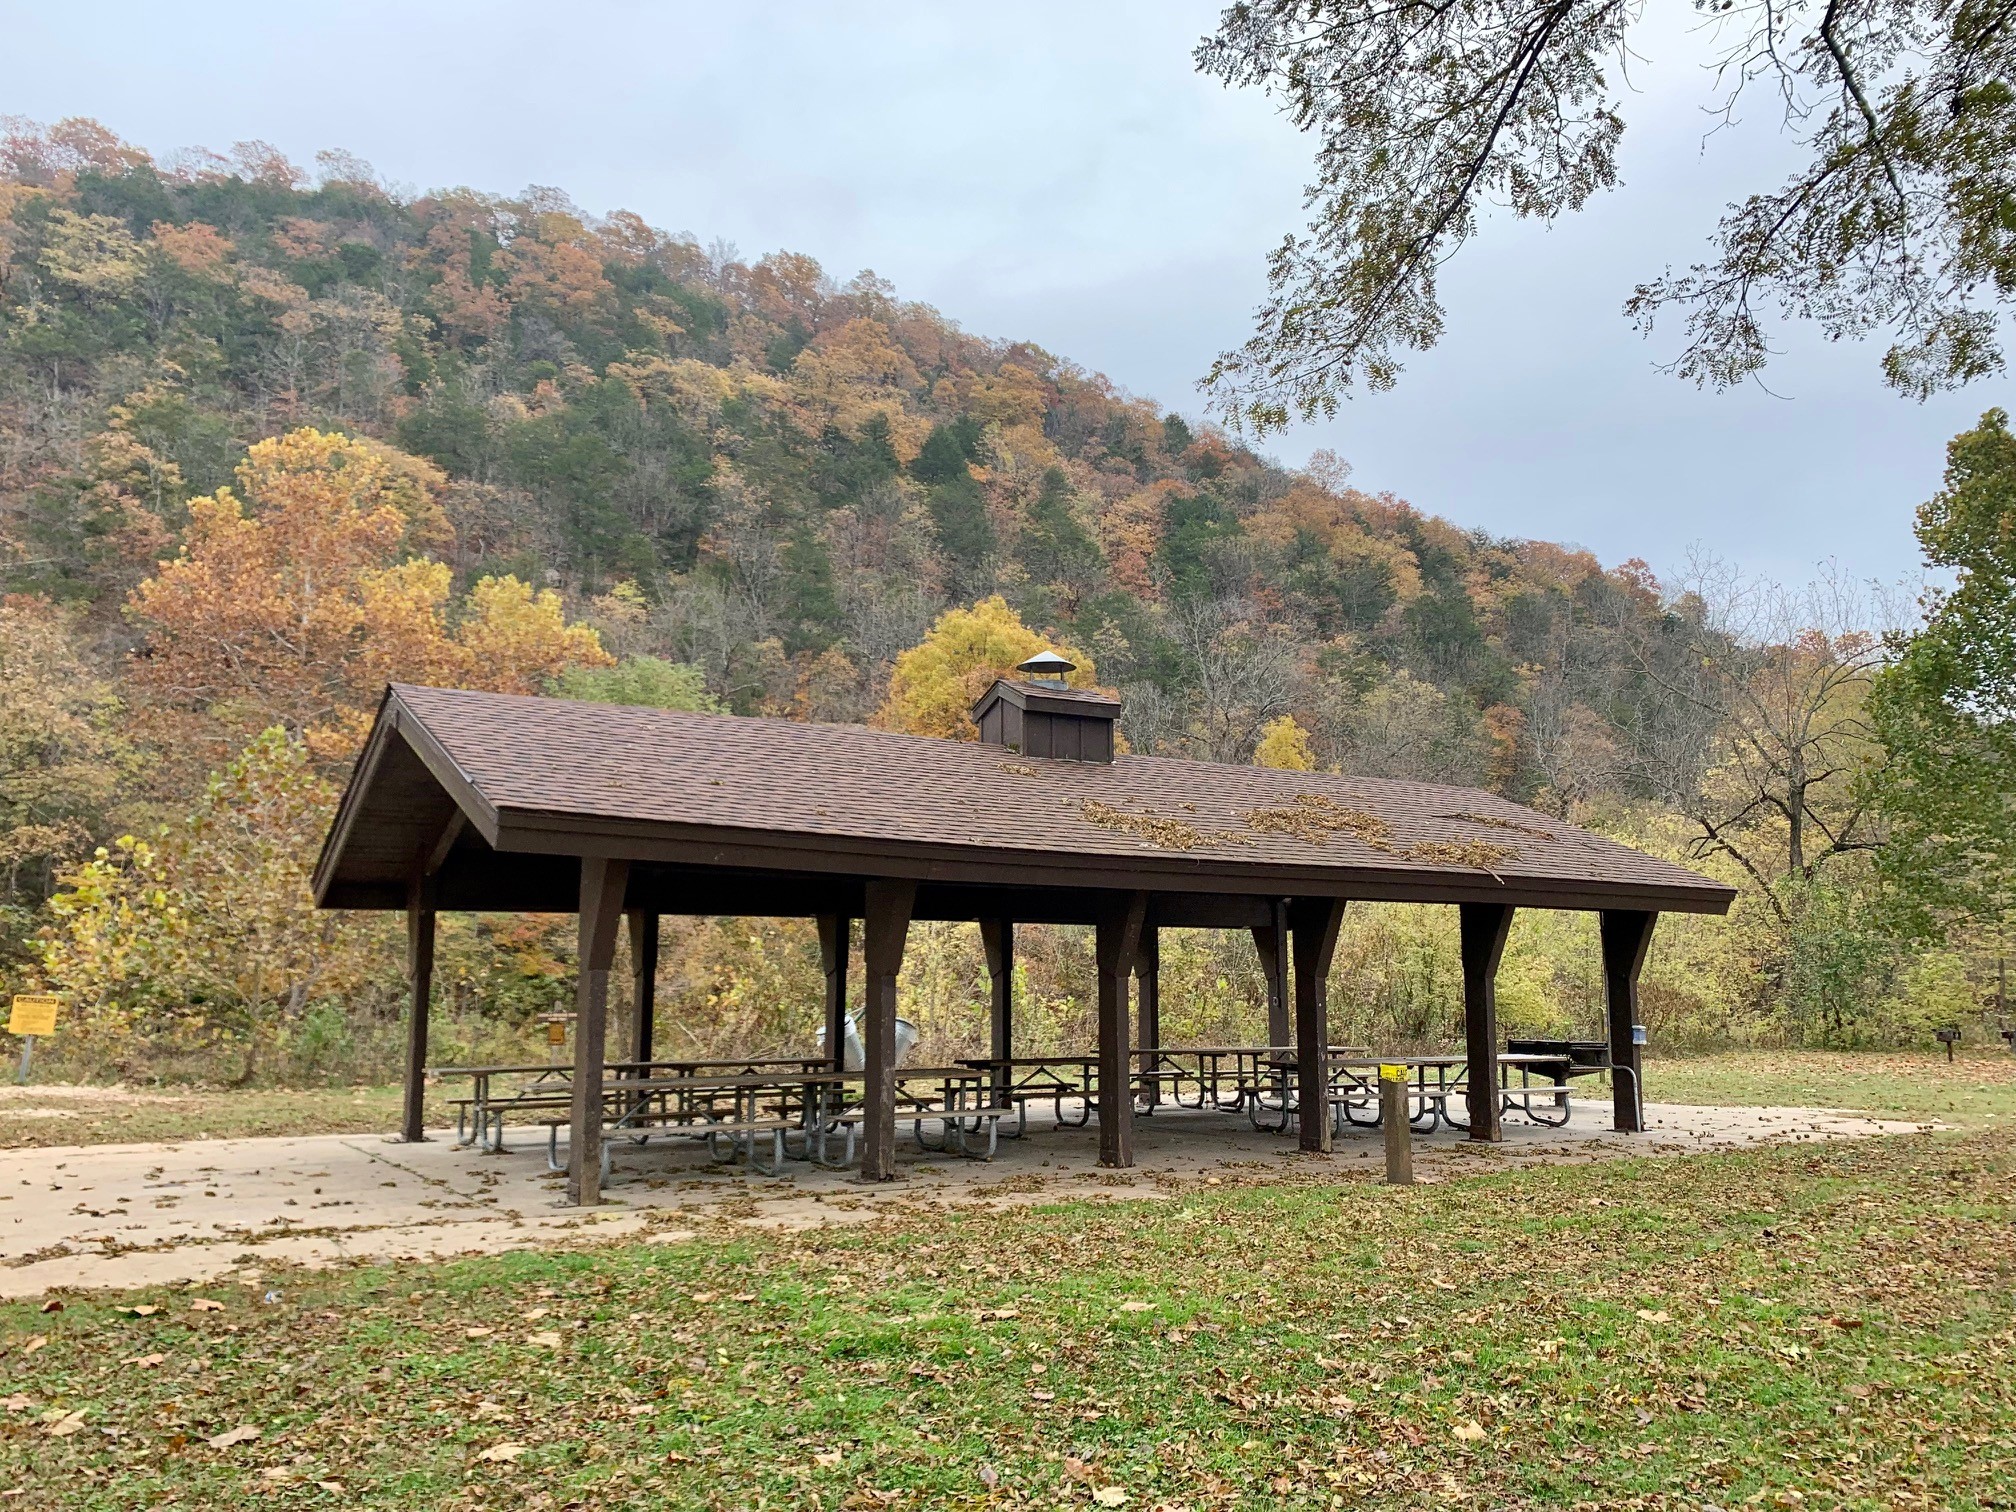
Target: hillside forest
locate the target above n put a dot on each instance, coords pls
(271, 437)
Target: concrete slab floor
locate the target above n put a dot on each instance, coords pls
(203, 1210)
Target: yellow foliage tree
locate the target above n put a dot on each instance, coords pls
(205, 937)
(1284, 745)
(936, 681)
(516, 640)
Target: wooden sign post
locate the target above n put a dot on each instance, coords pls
(1399, 1131)
(34, 1014)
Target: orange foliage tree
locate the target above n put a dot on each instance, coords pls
(298, 595)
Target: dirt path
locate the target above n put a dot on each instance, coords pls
(199, 1210)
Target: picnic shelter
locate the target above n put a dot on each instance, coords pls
(486, 802)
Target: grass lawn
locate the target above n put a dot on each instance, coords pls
(1978, 1090)
(1810, 1326)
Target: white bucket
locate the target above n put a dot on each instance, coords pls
(854, 1054)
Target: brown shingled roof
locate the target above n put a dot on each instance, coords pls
(536, 774)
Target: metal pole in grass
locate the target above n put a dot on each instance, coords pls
(1399, 1130)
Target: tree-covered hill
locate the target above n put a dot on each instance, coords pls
(796, 474)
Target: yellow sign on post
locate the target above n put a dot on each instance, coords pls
(34, 1013)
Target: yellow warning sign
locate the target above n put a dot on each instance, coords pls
(1390, 1072)
(34, 1013)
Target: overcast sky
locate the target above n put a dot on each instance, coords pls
(1058, 172)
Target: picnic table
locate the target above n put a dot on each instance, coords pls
(479, 1117)
(1225, 1078)
(1439, 1085)
(797, 1114)
(1250, 1072)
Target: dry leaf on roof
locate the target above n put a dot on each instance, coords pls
(1169, 834)
(1481, 854)
(1505, 824)
(1314, 818)
(1018, 769)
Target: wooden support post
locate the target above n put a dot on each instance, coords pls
(1393, 1122)
(836, 939)
(1484, 927)
(420, 976)
(1119, 942)
(1148, 1011)
(1271, 940)
(997, 940)
(1313, 924)
(885, 927)
(603, 882)
(643, 982)
(1627, 933)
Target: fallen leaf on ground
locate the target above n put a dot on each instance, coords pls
(545, 1339)
(206, 1304)
(145, 1362)
(501, 1454)
(826, 1459)
(1645, 1315)
(1111, 1496)
(244, 1433)
(67, 1424)
(1137, 1307)
(1469, 1433)
(144, 1310)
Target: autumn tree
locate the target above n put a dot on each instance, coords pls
(1284, 745)
(936, 682)
(62, 762)
(1773, 771)
(299, 594)
(204, 936)
(650, 681)
(1894, 219)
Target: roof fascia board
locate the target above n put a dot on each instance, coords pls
(782, 852)
(457, 783)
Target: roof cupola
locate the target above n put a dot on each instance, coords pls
(1040, 716)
